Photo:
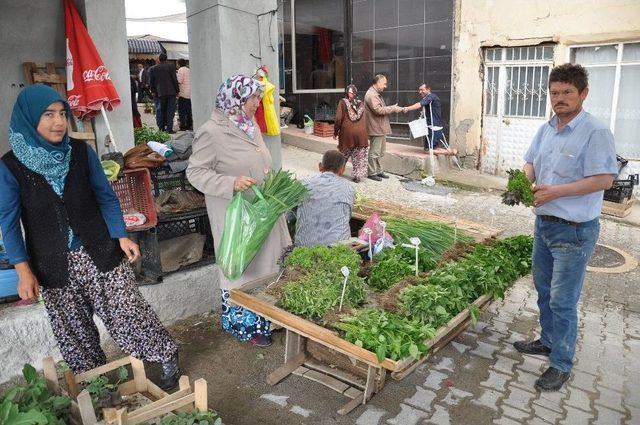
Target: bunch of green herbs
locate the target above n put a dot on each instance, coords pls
(435, 237)
(390, 266)
(325, 259)
(146, 134)
(518, 189)
(314, 294)
(387, 334)
(248, 222)
(430, 304)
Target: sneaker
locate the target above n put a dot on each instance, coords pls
(376, 178)
(261, 340)
(170, 374)
(383, 175)
(552, 379)
(534, 347)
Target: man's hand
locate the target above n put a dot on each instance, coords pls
(28, 287)
(130, 249)
(545, 193)
(243, 183)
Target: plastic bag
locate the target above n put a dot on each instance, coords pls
(246, 227)
(373, 223)
(111, 170)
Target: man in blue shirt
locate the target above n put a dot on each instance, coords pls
(570, 162)
(432, 111)
(324, 217)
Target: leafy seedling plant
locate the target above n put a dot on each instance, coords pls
(387, 334)
(193, 418)
(315, 294)
(103, 393)
(518, 189)
(324, 259)
(33, 403)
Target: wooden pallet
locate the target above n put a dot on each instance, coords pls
(299, 332)
(185, 399)
(48, 74)
(617, 210)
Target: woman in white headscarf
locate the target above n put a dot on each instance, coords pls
(230, 156)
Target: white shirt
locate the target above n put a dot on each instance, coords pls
(184, 82)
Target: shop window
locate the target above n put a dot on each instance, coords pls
(614, 84)
(318, 45)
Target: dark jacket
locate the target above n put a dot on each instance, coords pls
(46, 218)
(163, 80)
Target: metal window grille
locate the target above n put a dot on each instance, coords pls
(526, 91)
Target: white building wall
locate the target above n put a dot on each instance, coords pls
(479, 24)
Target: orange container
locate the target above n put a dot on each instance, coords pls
(133, 190)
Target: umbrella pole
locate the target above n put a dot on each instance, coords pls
(106, 121)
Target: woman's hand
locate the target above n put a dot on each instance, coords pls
(28, 287)
(243, 183)
(130, 249)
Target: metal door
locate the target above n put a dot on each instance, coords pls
(515, 103)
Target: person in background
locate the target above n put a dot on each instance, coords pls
(184, 96)
(230, 156)
(378, 126)
(351, 131)
(164, 85)
(136, 89)
(75, 240)
(571, 161)
(323, 218)
(432, 112)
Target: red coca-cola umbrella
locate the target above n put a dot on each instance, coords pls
(89, 87)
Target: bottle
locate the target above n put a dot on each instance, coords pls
(161, 148)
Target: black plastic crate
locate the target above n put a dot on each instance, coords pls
(621, 189)
(168, 228)
(162, 179)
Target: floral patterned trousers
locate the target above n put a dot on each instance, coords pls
(114, 297)
(359, 158)
(242, 323)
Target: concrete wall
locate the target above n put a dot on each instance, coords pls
(26, 336)
(522, 22)
(223, 34)
(35, 33)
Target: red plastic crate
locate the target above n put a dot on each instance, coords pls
(133, 190)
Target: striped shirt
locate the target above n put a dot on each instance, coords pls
(324, 217)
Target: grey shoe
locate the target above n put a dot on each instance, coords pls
(376, 178)
(552, 379)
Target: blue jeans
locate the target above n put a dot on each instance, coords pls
(156, 102)
(560, 256)
(436, 137)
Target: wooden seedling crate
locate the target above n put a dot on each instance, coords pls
(184, 399)
(301, 333)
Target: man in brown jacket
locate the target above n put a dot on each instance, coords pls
(377, 117)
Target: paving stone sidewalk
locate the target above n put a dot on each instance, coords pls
(449, 389)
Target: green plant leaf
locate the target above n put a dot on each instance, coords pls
(30, 373)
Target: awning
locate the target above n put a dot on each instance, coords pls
(137, 45)
(176, 50)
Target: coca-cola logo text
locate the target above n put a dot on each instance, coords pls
(98, 74)
(74, 100)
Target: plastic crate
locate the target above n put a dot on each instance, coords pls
(621, 189)
(169, 228)
(8, 285)
(162, 179)
(133, 190)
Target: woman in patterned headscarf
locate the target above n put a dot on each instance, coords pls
(74, 240)
(230, 156)
(351, 132)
